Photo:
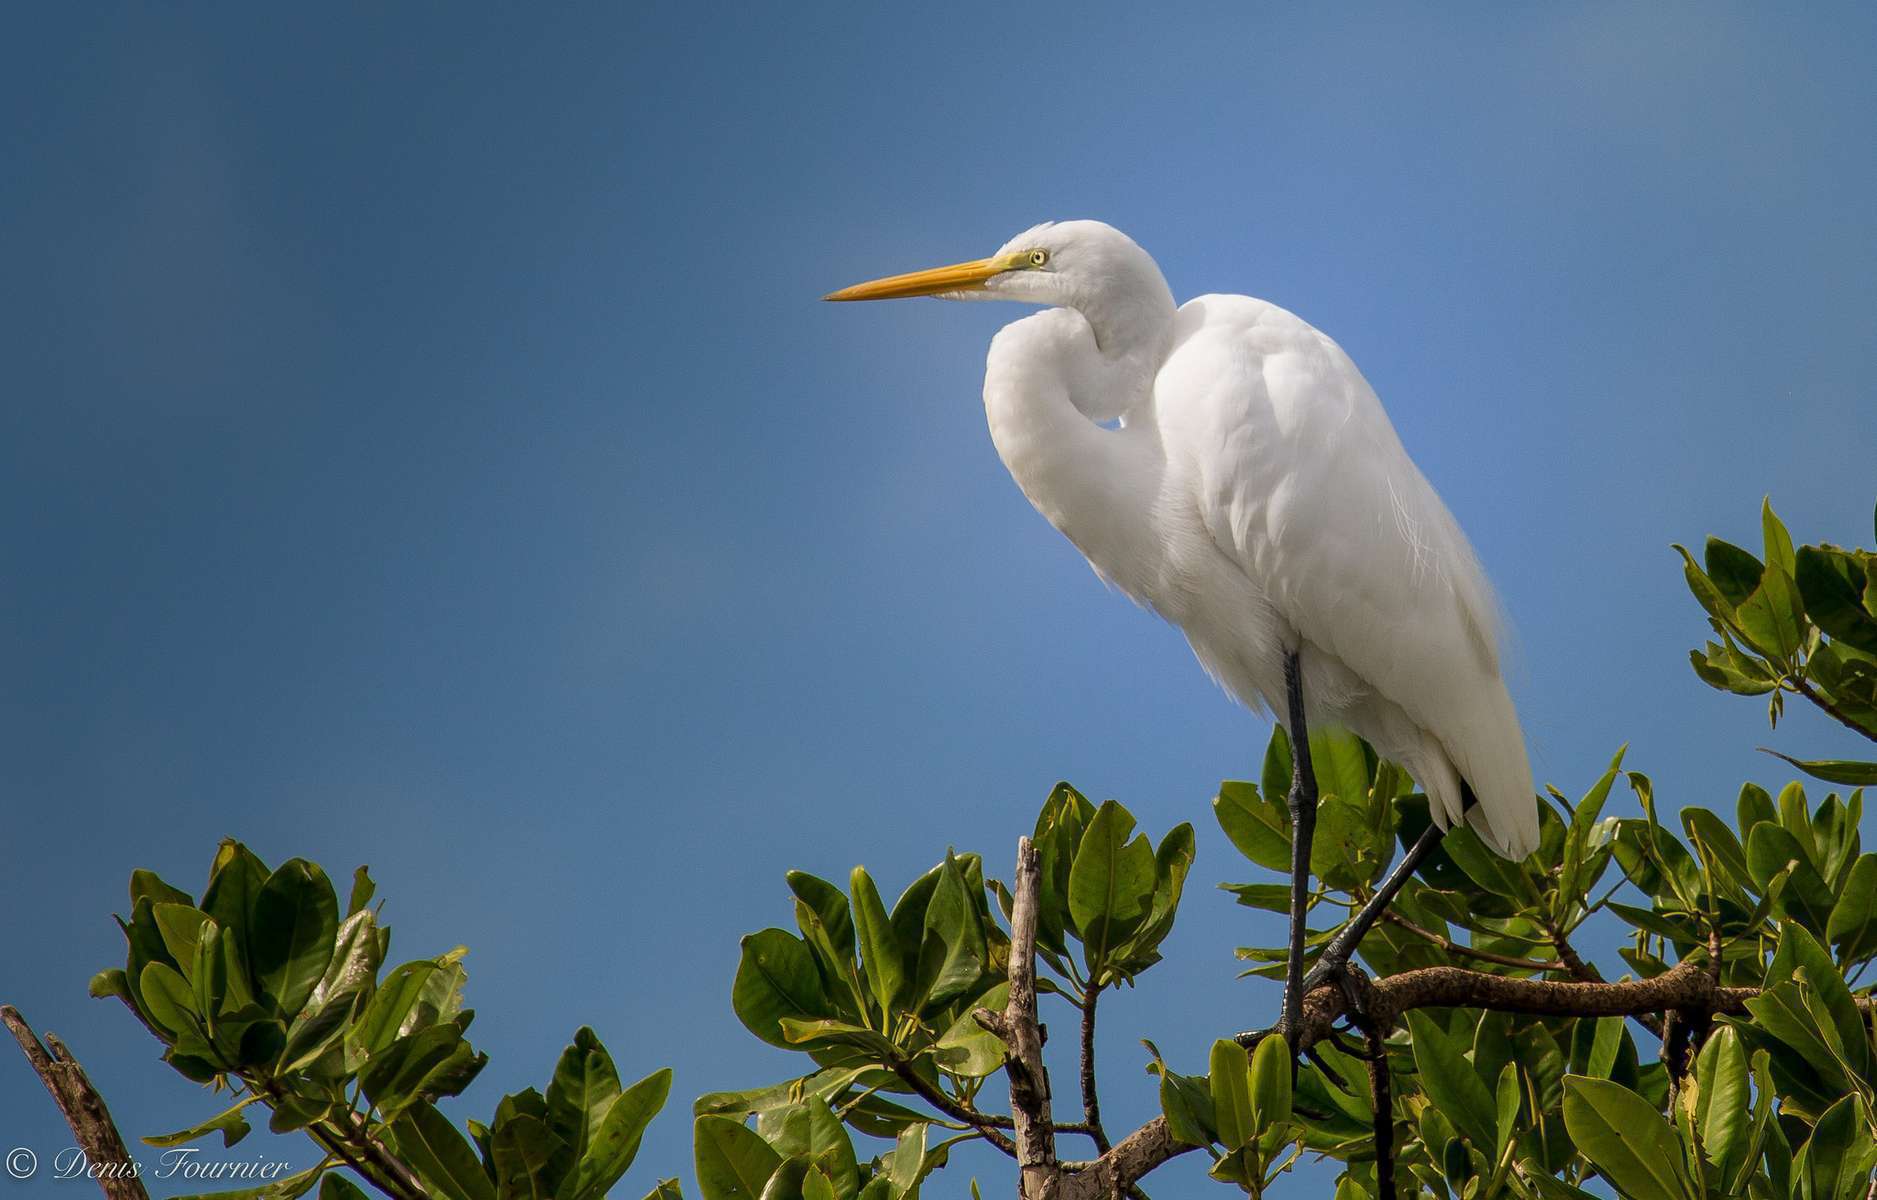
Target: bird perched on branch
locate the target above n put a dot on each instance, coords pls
(1225, 464)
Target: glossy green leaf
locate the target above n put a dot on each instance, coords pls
(1450, 1081)
(438, 1152)
(953, 949)
(969, 1049)
(777, 978)
(1734, 571)
(1835, 1162)
(1833, 583)
(584, 1087)
(885, 959)
(1852, 929)
(1777, 541)
(733, 1162)
(1835, 770)
(1772, 618)
(1259, 829)
(295, 918)
(1722, 1100)
(231, 1124)
(613, 1145)
(830, 905)
(1111, 882)
(1271, 1065)
(1506, 1098)
(1627, 1139)
(529, 1159)
(169, 999)
(334, 1186)
(1230, 1083)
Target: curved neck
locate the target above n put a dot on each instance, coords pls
(1048, 380)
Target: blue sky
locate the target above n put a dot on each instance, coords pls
(421, 444)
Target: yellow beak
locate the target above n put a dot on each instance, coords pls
(935, 281)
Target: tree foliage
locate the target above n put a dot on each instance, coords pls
(264, 990)
(1735, 1058)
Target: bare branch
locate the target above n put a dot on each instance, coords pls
(1041, 1172)
(82, 1107)
(1452, 947)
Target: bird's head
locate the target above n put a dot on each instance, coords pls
(1083, 265)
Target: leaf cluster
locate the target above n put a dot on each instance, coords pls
(265, 990)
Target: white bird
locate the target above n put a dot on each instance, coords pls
(1225, 465)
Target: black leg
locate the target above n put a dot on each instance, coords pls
(1303, 821)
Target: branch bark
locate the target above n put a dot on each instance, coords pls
(1091, 1102)
(1039, 1170)
(80, 1104)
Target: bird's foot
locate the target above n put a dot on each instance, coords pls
(1348, 978)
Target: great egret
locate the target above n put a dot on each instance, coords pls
(1225, 465)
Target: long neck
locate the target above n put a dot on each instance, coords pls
(1045, 384)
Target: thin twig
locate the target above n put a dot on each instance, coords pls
(1452, 947)
(82, 1107)
(987, 1124)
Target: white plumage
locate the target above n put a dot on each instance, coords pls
(1226, 465)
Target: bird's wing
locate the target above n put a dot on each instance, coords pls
(1299, 477)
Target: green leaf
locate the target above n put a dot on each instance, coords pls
(885, 959)
(334, 1186)
(953, 949)
(1259, 829)
(667, 1189)
(1111, 882)
(168, 997)
(1450, 1081)
(830, 905)
(1172, 862)
(1271, 1065)
(1734, 571)
(1853, 925)
(1627, 1140)
(1704, 588)
(530, 1160)
(1231, 1094)
(229, 1123)
(391, 1007)
(612, 1147)
(1772, 618)
(777, 978)
(733, 1162)
(398, 1074)
(1778, 542)
(235, 881)
(1723, 1099)
(1059, 827)
(969, 1049)
(1799, 951)
(1835, 1163)
(1834, 770)
(1505, 1109)
(439, 1153)
(1833, 583)
(1341, 764)
(1186, 1101)
(296, 917)
(583, 1088)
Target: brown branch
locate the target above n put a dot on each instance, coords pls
(1587, 973)
(1452, 947)
(386, 1167)
(1040, 1170)
(82, 1107)
(1091, 1103)
(1805, 688)
(987, 1124)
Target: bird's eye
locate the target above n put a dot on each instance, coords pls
(1039, 258)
